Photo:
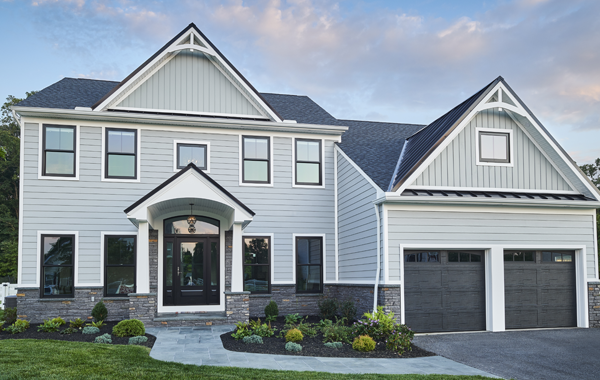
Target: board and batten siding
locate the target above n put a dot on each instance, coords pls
(90, 205)
(456, 165)
(357, 225)
(437, 227)
(190, 82)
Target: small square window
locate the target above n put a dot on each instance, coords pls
(494, 147)
(192, 153)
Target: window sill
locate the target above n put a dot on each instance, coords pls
(261, 295)
(56, 299)
(115, 299)
(309, 294)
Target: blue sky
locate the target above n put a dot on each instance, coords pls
(404, 61)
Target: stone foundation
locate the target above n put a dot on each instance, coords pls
(35, 309)
(142, 306)
(237, 306)
(594, 303)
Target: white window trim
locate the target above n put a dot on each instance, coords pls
(41, 153)
(103, 234)
(323, 258)
(195, 142)
(511, 162)
(241, 162)
(271, 236)
(75, 256)
(322, 185)
(138, 157)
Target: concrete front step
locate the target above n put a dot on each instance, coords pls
(181, 317)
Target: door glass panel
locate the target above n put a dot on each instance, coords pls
(169, 264)
(475, 258)
(192, 264)
(464, 257)
(453, 257)
(529, 256)
(567, 258)
(518, 256)
(557, 257)
(214, 263)
(546, 256)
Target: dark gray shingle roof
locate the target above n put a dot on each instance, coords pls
(69, 93)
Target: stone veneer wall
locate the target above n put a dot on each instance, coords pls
(228, 256)
(153, 256)
(594, 303)
(35, 309)
(237, 306)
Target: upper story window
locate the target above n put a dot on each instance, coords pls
(58, 156)
(57, 265)
(192, 153)
(121, 153)
(256, 159)
(308, 162)
(494, 147)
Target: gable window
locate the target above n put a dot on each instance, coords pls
(192, 153)
(257, 252)
(309, 258)
(256, 165)
(121, 153)
(308, 162)
(58, 156)
(494, 147)
(119, 265)
(57, 265)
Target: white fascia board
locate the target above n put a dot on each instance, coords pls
(190, 121)
(498, 189)
(380, 192)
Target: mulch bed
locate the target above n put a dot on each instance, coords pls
(314, 346)
(32, 333)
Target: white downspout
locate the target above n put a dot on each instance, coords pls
(376, 290)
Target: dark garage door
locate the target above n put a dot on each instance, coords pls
(444, 290)
(539, 289)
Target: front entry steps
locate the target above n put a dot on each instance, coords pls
(191, 319)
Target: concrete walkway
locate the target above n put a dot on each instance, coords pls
(203, 346)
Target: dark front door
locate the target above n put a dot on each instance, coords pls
(191, 268)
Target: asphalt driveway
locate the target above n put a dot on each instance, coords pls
(522, 355)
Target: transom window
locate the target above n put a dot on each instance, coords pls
(519, 256)
(119, 271)
(257, 253)
(494, 147)
(308, 162)
(422, 257)
(58, 157)
(57, 265)
(192, 153)
(557, 257)
(202, 226)
(463, 257)
(121, 153)
(309, 258)
(256, 165)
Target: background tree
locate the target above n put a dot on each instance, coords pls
(593, 171)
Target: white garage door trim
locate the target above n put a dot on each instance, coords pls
(494, 278)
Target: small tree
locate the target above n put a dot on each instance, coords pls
(271, 310)
(99, 312)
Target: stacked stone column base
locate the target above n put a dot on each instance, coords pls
(594, 303)
(237, 306)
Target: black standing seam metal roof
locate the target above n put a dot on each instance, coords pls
(420, 145)
(189, 167)
(494, 194)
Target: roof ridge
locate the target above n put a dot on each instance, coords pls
(383, 122)
(275, 93)
(95, 80)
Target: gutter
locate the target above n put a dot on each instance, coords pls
(192, 121)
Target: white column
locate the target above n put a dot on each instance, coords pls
(237, 273)
(494, 286)
(142, 272)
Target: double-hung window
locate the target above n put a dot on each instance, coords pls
(58, 156)
(119, 265)
(257, 272)
(308, 162)
(57, 265)
(256, 165)
(121, 153)
(192, 153)
(309, 270)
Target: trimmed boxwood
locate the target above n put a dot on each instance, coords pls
(129, 327)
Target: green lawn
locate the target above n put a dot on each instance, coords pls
(48, 359)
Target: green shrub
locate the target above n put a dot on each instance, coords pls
(271, 310)
(1, 325)
(98, 324)
(253, 339)
(104, 338)
(263, 330)
(378, 325)
(90, 330)
(129, 327)
(294, 335)
(333, 345)
(291, 319)
(348, 310)
(77, 323)
(49, 326)
(293, 347)
(328, 308)
(307, 329)
(10, 315)
(19, 326)
(399, 339)
(99, 312)
(363, 343)
(138, 339)
(69, 330)
(60, 321)
(241, 331)
(336, 332)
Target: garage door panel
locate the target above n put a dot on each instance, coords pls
(516, 276)
(558, 297)
(461, 299)
(518, 297)
(427, 321)
(521, 318)
(560, 276)
(420, 277)
(423, 300)
(464, 321)
(553, 317)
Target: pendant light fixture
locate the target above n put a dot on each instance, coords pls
(191, 220)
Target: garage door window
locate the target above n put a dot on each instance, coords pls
(422, 257)
(464, 257)
(519, 256)
(557, 257)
